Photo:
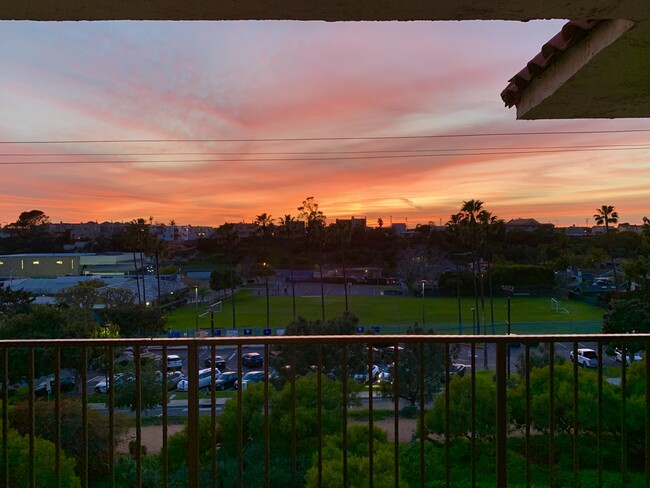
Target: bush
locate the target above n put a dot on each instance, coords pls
(409, 412)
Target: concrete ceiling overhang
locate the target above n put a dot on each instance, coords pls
(605, 74)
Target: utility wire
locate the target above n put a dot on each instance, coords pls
(343, 158)
(368, 138)
(374, 151)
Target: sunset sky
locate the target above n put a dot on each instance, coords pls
(205, 123)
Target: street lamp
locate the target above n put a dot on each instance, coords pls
(423, 282)
(196, 304)
(266, 283)
(473, 320)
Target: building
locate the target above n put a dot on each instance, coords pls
(41, 265)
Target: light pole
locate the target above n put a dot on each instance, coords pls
(508, 334)
(473, 321)
(266, 283)
(423, 281)
(196, 303)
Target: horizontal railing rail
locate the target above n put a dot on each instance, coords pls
(481, 410)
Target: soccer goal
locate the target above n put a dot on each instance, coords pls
(557, 307)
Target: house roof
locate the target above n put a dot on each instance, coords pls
(572, 32)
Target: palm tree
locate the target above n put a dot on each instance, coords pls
(316, 234)
(136, 239)
(606, 215)
(263, 222)
(287, 223)
(229, 238)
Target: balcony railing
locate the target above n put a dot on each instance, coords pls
(488, 412)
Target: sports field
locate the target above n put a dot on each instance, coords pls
(397, 312)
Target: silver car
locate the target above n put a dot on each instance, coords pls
(203, 380)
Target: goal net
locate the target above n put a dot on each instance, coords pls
(557, 307)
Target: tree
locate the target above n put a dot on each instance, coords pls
(221, 278)
(358, 460)
(288, 222)
(460, 408)
(71, 429)
(606, 215)
(316, 235)
(135, 320)
(84, 295)
(411, 362)
(306, 355)
(563, 401)
(44, 463)
(150, 386)
(627, 317)
(312, 214)
(283, 406)
(46, 322)
(13, 302)
(30, 220)
(228, 237)
(263, 222)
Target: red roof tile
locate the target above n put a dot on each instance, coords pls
(571, 32)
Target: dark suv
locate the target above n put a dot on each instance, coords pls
(252, 360)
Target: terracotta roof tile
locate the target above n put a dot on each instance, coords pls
(571, 32)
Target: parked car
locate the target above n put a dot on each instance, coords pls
(104, 386)
(250, 377)
(204, 376)
(374, 374)
(173, 378)
(226, 380)
(219, 362)
(457, 369)
(587, 358)
(174, 362)
(252, 360)
(619, 357)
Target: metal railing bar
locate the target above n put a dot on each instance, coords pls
(344, 374)
(599, 440)
(396, 412)
(551, 412)
(294, 440)
(84, 416)
(267, 423)
(319, 413)
(369, 376)
(31, 421)
(502, 413)
(240, 419)
(111, 414)
(57, 415)
(422, 403)
(213, 415)
(647, 417)
(164, 451)
(623, 415)
(576, 420)
(329, 339)
(193, 415)
(473, 412)
(5, 414)
(447, 419)
(138, 416)
(527, 414)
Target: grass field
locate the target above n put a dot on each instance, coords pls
(394, 311)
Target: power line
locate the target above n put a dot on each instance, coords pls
(302, 139)
(373, 151)
(343, 158)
